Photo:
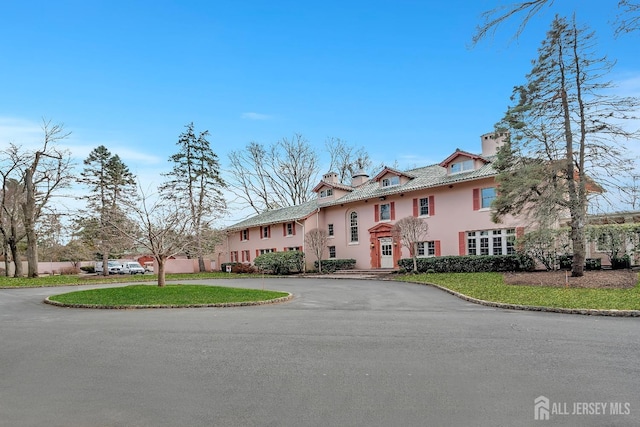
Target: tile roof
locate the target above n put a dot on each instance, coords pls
(423, 178)
(276, 216)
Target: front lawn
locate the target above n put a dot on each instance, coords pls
(491, 287)
(170, 296)
(90, 279)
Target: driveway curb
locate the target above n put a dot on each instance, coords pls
(583, 311)
(134, 307)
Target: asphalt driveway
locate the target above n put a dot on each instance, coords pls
(341, 353)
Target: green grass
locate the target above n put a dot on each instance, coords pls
(491, 287)
(74, 280)
(170, 295)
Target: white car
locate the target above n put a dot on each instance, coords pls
(114, 267)
(132, 268)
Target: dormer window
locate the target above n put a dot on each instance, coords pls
(463, 166)
(389, 182)
(326, 193)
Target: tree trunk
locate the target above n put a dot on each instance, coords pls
(413, 255)
(161, 273)
(105, 263)
(15, 256)
(578, 241)
(201, 267)
(28, 209)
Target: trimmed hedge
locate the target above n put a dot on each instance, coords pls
(280, 262)
(470, 264)
(331, 265)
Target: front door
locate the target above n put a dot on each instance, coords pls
(386, 253)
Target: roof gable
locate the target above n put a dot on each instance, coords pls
(387, 170)
(459, 153)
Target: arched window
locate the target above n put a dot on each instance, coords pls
(353, 218)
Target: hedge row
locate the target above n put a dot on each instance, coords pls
(280, 262)
(331, 265)
(470, 264)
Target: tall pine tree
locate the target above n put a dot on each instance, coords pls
(566, 132)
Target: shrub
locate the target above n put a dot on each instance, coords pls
(470, 264)
(280, 262)
(618, 263)
(223, 266)
(243, 269)
(593, 263)
(68, 270)
(565, 262)
(88, 269)
(331, 265)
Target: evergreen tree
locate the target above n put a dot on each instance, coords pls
(195, 182)
(565, 136)
(110, 182)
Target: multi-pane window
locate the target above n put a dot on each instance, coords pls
(266, 232)
(353, 221)
(326, 193)
(330, 230)
(424, 206)
(385, 212)
(487, 195)
(463, 166)
(289, 229)
(244, 234)
(491, 242)
(426, 248)
(245, 256)
(497, 242)
(234, 256)
(293, 248)
(332, 251)
(388, 182)
(266, 251)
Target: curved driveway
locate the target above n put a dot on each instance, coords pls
(341, 353)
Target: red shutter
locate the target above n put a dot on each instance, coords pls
(519, 232)
(257, 253)
(415, 208)
(438, 250)
(293, 227)
(248, 256)
(376, 213)
(462, 244)
(274, 250)
(476, 199)
(284, 229)
(432, 205)
(269, 231)
(248, 234)
(393, 211)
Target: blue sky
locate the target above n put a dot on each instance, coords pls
(397, 77)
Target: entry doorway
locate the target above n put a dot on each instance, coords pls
(386, 252)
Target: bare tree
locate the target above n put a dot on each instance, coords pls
(346, 160)
(162, 230)
(316, 240)
(628, 19)
(11, 226)
(47, 170)
(410, 231)
(280, 175)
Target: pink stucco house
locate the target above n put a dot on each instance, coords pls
(453, 197)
